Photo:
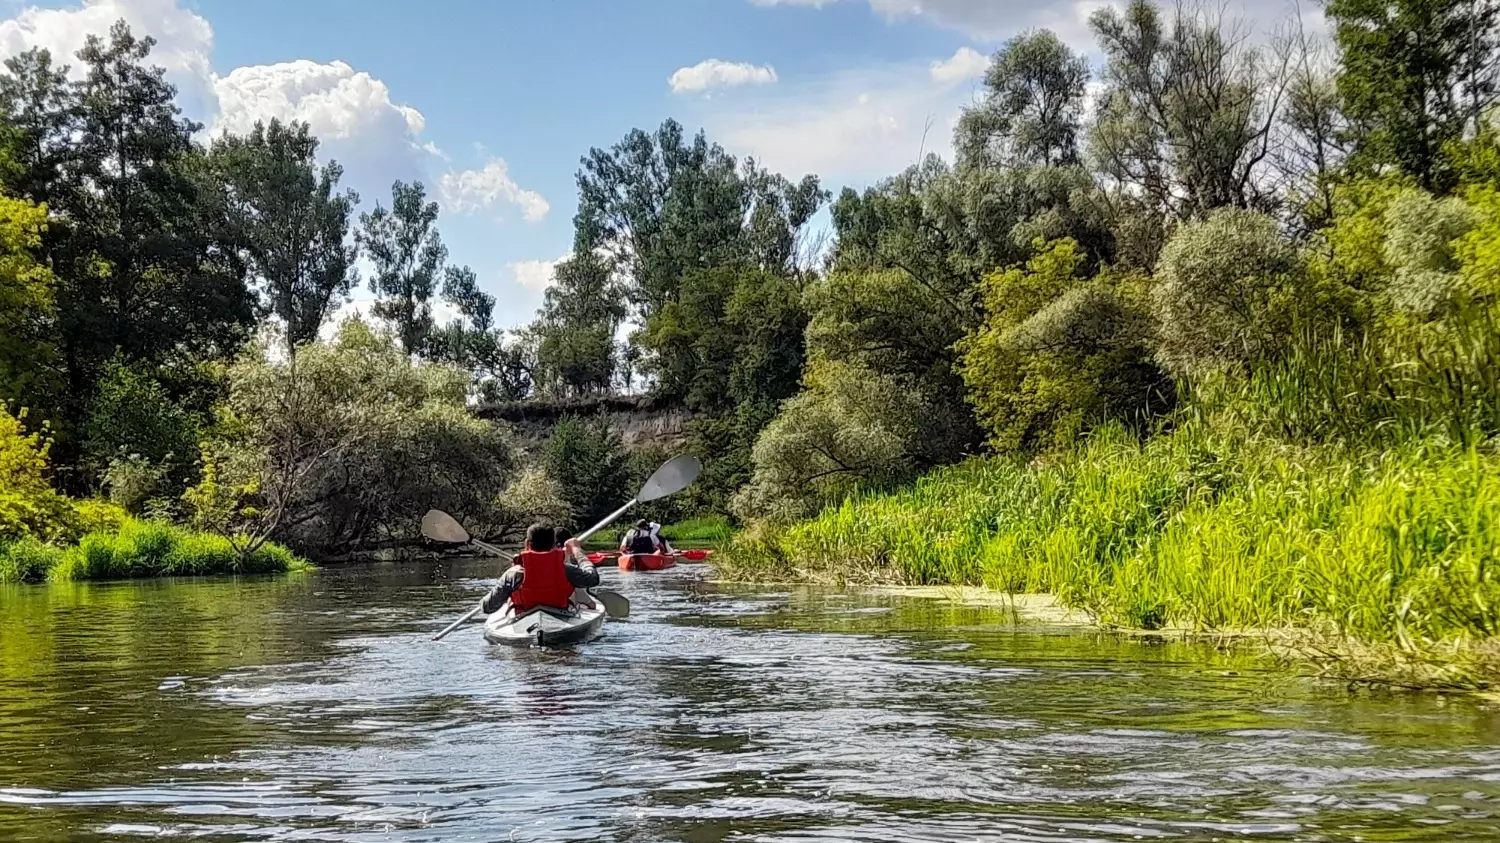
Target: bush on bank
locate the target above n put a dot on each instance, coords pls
(135, 549)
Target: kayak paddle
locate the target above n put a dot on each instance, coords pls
(674, 475)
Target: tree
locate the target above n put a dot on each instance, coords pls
(1415, 76)
(1187, 111)
(660, 208)
(852, 429)
(1060, 353)
(575, 328)
(1226, 289)
(408, 254)
(289, 223)
(28, 312)
(344, 446)
(1031, 106)
(142, 276)
(586, 458)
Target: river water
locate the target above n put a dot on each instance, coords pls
(317, 708)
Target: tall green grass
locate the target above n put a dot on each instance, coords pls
(1191, 529)
(705, 529)
(136, 549)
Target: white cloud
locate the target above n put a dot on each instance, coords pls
(965, 63)
(184, 40)
(853, 127)
(376, 139)
(535, 275)
(473, 190)
(716, 73)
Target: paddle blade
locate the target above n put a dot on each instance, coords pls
(440, 527)
(615, 604)
(674, 476)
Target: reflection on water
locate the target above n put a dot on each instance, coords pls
(317, 708)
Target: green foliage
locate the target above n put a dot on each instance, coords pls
(532, 496)
(1187, 109)
(1419, 247)
(134, 549)
(1226, 289)
(289, 222)
(407, 252)
(1058, 355)
(1032, 106)
(586, 458)
(344, 447)
(141, 442)
(28, 312)
(1188, 530)
(707, 529)
(661, 207)
(853, 428)
(1415, 76)
(28, 505)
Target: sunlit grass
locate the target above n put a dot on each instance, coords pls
(1189, 530)
(140, 549)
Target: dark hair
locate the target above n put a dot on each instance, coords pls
(563, 536)
(541, 536)
(643, 524)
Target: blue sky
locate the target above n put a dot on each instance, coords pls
(492, 102)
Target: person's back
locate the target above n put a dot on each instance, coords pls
(639, 539)
(544, 574)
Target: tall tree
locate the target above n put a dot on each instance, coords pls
(289, 222)
(1031, 107)
(576, 326)
(663, 208)
(1188, 109)
(144, 275)
(408, 253)
(41, 107)
(1415, 75)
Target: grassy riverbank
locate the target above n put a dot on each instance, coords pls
(1384, 562)
(137, 548)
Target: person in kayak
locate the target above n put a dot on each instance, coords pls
(645, 537)
(543, 574)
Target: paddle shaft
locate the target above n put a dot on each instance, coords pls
(458, 623)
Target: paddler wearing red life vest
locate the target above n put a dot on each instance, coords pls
(543, 574)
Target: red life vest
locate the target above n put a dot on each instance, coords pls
(546, 580)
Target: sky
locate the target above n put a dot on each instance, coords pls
(491, 103)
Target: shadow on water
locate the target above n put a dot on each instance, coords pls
(317, 708)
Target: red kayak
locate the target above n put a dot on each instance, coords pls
(646, 561)
(696, 555)
(598, 557)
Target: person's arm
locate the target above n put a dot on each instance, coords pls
(509, 582)
(581, 572)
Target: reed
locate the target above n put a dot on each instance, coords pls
(1192, 529)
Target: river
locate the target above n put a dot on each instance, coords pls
(317, 708)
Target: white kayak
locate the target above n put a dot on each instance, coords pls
(544, 626)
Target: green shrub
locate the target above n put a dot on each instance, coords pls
(27, 560)
(151, 549)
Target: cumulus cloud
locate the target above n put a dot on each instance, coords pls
(473, 190)
(351, 112)
(965, 63)
(716, 73)
(850, 128)
(184, 40)
(536, 275)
